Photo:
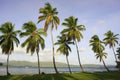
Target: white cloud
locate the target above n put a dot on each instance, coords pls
(101, 22)
(82, 49)
(19, 50)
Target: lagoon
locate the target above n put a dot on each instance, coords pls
(34, 70)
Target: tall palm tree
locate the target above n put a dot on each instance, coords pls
(49, 15)
(8, 39)
(111, 40)
(64, 47)
(98, 48)
(73, 31)
(34, 39)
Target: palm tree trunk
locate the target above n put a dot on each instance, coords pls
(68, 65)
(114, 53)
(7, 70)
(78, 56)
(53, 52)
(105, 65)
(38, 62)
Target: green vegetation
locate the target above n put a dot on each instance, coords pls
(64, 76)
(1, 64)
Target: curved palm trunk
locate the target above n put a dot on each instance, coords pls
(38, 62)
(53, 52)
(68, 65)
(7, 70)
(114, 53)
(78, 56)
(105, 65)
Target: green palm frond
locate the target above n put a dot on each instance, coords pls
(29, 26)
(111, 39)
(8, 37)
(49, 15)
(34, 40)
(41, 18)
(73, 30)
(40, 31)
(23, 34)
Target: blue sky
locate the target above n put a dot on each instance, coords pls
(98, 16)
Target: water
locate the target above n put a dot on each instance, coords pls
(34, 70)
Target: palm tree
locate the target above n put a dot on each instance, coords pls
(111, 40)
(73, 31)
(34, 39)
(118, 54)
(64, 47)
(118, 51)
(98, 48)
(8, 39)
(49, 14)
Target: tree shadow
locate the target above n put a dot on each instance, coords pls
(107, 75)
(56, 77)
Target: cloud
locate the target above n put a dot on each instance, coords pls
(82, 49)
(101, 22)
(19, 50)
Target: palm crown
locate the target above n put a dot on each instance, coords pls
(72, 28)
(64, 44)
(49, 14)
(34, 38)
(111, 38)
(95, 42)
(8, 37)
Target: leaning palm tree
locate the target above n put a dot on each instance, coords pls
(111, 40)
(98, 48)
(34, 39)
(8, 39)
(49, 15)
(64, 47)
(73, 31)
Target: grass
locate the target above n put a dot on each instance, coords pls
(114, 75)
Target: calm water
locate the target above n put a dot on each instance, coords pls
(34, 70)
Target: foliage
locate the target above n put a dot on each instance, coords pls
(64, 43)
(8, 37)
(49, 14)
(73, 30)
(34, 38)
(111, 38)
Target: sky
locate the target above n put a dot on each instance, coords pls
(98, 16)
